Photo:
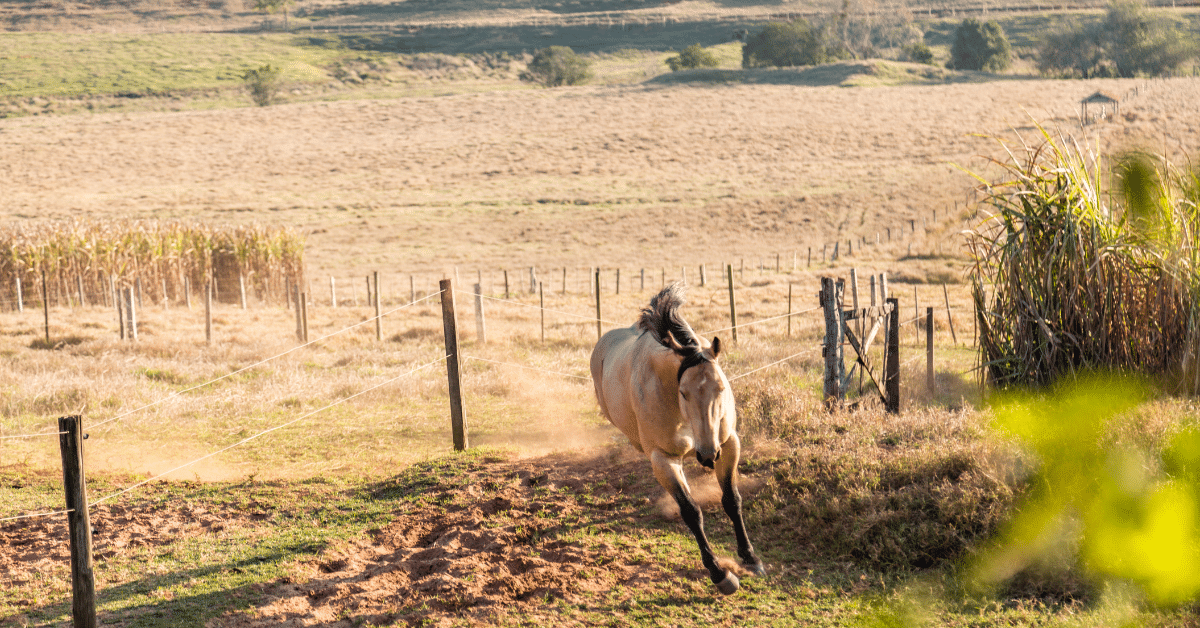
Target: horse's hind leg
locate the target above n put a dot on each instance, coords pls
(669, 472)
(731, 500)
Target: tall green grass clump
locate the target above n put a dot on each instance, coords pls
(1069, 275)
(97, 255)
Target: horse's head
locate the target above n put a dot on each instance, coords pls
(705, 399)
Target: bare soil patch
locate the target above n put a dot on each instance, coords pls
(503, 541)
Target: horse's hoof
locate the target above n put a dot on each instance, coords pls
(729, 585)
(756, 569)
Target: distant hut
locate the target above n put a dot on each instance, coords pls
(1102, 99)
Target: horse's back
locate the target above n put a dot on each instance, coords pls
(612, 365)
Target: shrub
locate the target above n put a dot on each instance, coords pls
(779, 44)
(694, 56)
(557, 65)
(980, 46)
(918, 52)
(264, 83)
(1128, 42)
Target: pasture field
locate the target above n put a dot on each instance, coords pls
(323, 490)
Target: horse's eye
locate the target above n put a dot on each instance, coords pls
(684, 395)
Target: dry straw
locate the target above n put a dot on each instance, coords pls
(1071, 276)
(94, 256)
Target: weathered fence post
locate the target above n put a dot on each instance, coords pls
(208, 298)
(138, 284)
(506, 291)
(187, 292)
(79, 522)
(46, 306)
(832, 349)
(412, 289)
(242, 289)
(809, 265)
(480, 326)
(378, 310)
(332, 292)
(643, 288)
(599, 334)
(166, 302)
(542, 309)
(929, 348)
(120, 314)
(131, 313)
(564, 283)
(732, 306)
(891, 377)
(79, 288)
(304, 317)
(789, 317)
(949, 316)
(703, 277)
(299, 320)
(618, 284)
(20, 297)
(533, 280)
(450, 329)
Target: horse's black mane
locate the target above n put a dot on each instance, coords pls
(662, 317)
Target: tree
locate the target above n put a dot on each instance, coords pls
(557, 65)
(980, 46)
(785, 44)
(1130, 41)
(272, 6)
(264, 83)
(694, 56)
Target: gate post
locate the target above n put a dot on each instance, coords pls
(453, 372)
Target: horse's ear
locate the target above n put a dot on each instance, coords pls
(673, 344)
(716, 346)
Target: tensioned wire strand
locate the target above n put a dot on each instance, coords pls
(272, 429)
(531, 368)
(261, 362)
(37, 514)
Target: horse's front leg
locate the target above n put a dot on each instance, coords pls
(669, 472)
(731, 500)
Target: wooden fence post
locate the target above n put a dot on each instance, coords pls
(187, 292)
(46, 306)
(929, 349)
(412, 289)
(131, 308)
(138, 284)
(599, 334)
(332, 292)
(789, 318)
(832, 349)
(166, 302)
(703, 277)
(564, 283)
(378, 311)
(891, 375)
(453, 374)
(533, 280)
(208, 298)
(79, 522)
(949, 316)
(643, 280)
(20, 297)
(299, 320)
(242, 289)
(618, 284)
(733, 307)
(542, 309)
(480, 326)
(304, 317)
(119, 298)
(809, 265)
(79, 288)
(506, 291)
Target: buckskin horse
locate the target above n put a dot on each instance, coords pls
(660, 384)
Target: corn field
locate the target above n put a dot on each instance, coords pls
(84, 261)
(1075, 273)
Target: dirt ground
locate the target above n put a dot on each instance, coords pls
(671, 173)
(500, 544)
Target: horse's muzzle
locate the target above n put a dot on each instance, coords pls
(706, 459)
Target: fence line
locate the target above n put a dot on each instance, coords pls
(531, 368)
(261, 362)
(761, 320)
(38, 514)
(32, 435)
(775, 363)
(269, 430)
(589, 318)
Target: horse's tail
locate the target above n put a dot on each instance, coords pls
(662, 317)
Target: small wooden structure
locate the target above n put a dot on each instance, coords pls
(1104, 100)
